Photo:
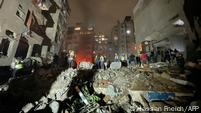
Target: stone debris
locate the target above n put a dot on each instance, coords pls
(54, 106)
(4, 87)
(135, 82)
(42, 103)
(60, 87)
(115, 65)
(125, 87)
(57, 92)
(86, 65)
(158, 65)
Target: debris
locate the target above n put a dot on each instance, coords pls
(42, 104)
(111, 91)
(82, 96)
(158, 65)
(26, 108)
(159, 96)
(115, 65)
(126, 88)
(86, 65)
(182, 82)
(60, 87)
(54, 105)
(4, 87)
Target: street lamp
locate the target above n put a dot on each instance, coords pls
(128, 31)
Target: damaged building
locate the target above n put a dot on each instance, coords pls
(117, 56)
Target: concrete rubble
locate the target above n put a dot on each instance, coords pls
(129, 88)
(115, 65)
(4, 87)
(86, 65)
(57, 92)
(60, 87)
(138, 82)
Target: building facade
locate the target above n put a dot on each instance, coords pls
(123, 37)
(81, 40)
(163, 23)
(23, 26)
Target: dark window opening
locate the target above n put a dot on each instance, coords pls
(4, 47)
(9, 33)
(22, 48)
(36, 50)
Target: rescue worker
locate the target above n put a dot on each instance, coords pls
(124, 61)
(16, 65)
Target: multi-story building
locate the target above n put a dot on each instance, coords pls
(168, 24)
(101, 42)
(23, 26)
(123, 37)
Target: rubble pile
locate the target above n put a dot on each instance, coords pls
(57, 92)
(136, 82)
(60, 87)
(115, 90)
(158, 65)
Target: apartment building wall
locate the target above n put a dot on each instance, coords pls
(154, 21)
(123, 42)
(13, 17)
(58, 31)
(10, 21)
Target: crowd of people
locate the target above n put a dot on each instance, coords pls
(173, 57)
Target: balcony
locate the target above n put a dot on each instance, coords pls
(42, 4)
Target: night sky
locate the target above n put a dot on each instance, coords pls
(103, 14)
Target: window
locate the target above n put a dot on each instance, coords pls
(9, 33)
(20, 12)
(4, 47)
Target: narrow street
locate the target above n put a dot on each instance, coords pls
(91, 56)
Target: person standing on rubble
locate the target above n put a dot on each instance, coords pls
(152, 57)
(102, 62)
(132, 59)
(180, 62)
(138, 62)
(144, 58)
(167, 56)
(124, 61)
(116, 57)
(106, 62)
(97, 61)
(71, 58)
